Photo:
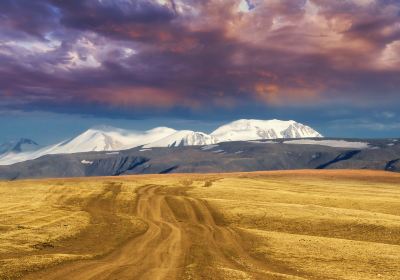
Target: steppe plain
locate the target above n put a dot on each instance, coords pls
(306, 224)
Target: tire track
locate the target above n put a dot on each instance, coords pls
(183, 241)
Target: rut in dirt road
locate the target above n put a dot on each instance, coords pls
(183, 241)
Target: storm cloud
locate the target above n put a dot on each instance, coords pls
(172, 55)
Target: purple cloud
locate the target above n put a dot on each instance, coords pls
(195, 54)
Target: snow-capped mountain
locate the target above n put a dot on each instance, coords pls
(111, 139)
(243, 130)
(94, 139)
(114, 139)
(18, 146)
(184, 138)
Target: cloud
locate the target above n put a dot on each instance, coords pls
(387, 114)
(366, 124)
(218, 54)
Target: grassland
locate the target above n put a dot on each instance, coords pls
(263, 225)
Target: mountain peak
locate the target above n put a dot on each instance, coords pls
(252, 129)
(184, 138)
(18, 146)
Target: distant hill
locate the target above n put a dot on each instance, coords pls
(18, 146)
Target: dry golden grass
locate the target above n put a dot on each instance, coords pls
(322, 225)
(45, 222)
(261, 225)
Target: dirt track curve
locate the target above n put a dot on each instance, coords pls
(183, 241)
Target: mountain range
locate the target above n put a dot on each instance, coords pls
(107, 138)
(233, 156)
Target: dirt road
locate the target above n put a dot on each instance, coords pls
(183, 241)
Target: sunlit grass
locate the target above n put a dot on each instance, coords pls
(327, 225)
(319, 224)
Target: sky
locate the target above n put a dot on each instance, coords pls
(68, 65)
